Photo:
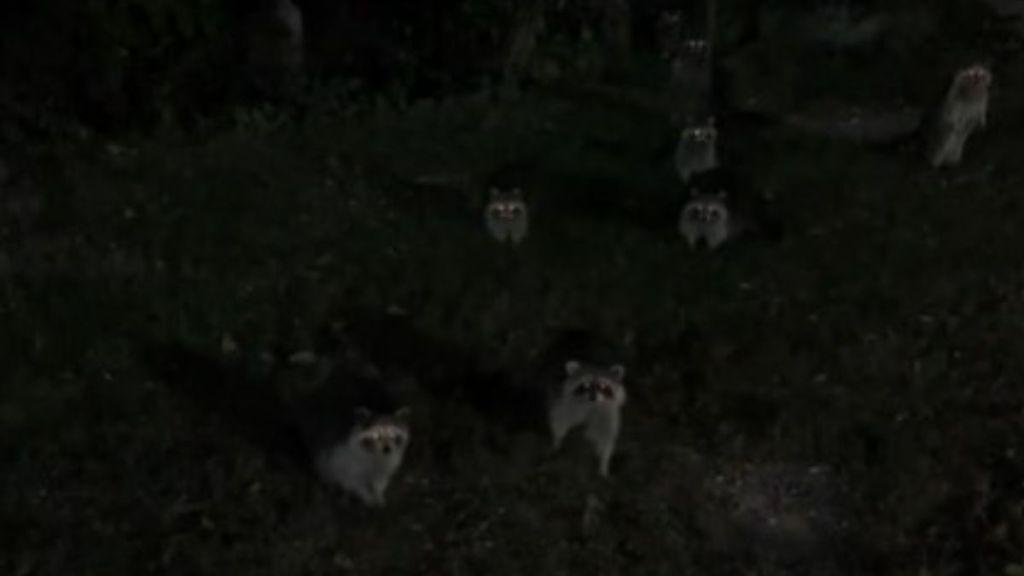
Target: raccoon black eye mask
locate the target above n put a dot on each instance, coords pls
(382, 438)
(506, 212)
(593, 390)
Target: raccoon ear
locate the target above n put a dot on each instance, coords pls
(362, 415)
(722, 195)
(494, 192)
(572, 367)
(403, 413)
(517, 193)
(711, 121)
(618, 371)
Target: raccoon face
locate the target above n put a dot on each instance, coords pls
(971, 83)
(506, 205)
(382, 437)
(594, 385)
(977, 77)
(700, 134)
(705, 219)
(506, 216)
(695, 48)
(688, 54)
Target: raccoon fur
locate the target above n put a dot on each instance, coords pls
(964, 111)
(506, 215)
(584, 391)
(697, 149)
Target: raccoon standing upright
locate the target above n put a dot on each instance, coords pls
(590, 396)
(964, 110)
(506, 215)
(697, 149)
(585, 393)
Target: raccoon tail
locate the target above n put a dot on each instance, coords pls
(233, 391)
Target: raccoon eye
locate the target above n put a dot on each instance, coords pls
(583, 387)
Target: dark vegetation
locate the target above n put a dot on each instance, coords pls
(162, 187)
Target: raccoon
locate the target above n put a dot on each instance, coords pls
(697, 149)
(705, 218)
(354, 427)
(506, 215)
(712, 215)
(964, 110)
(350, 432)
(593, 396)
(364, 460)
(690, 81)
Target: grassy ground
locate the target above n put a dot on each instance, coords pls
(881, 336)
